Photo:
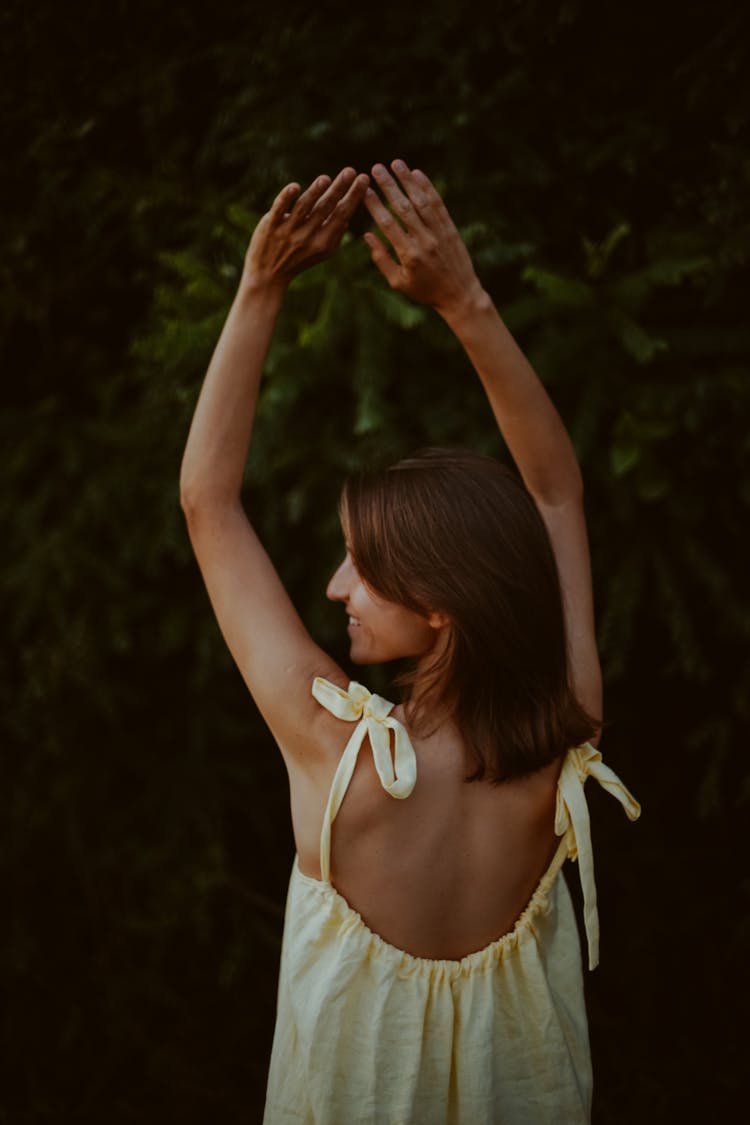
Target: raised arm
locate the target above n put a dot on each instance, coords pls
(433, 266)
(275, 654)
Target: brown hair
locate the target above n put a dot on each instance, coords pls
(455, 532)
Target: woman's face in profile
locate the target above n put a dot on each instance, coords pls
(379, 630)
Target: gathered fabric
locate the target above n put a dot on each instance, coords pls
(368, 1034)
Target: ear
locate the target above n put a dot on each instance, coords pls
(437, 620)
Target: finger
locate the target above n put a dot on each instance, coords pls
(282, 203)
(347, 204)
(383, 260)
(421, 191)
(399, 201)
(337, 191)
(387, 223)
(309, 198)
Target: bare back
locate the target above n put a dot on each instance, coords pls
(445, 872)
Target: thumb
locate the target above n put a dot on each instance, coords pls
(382, 259)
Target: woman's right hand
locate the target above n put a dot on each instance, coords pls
(433, 266)
(301, 230)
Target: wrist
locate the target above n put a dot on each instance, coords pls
(255, 287)
(472, 304)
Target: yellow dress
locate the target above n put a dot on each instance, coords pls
(367, 1034)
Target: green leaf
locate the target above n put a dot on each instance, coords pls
(636, 341)
(565, 291)
(399, 310)
(599, 253)
(624, 456)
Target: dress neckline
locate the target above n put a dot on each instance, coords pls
(482, 958)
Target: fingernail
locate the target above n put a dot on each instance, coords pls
(378, 169)
(399, 165)
(369, 192)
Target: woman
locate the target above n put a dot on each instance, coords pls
(431, 970)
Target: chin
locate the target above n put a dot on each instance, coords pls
(365, 659)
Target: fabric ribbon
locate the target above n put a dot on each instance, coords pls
(397, 773)
(572, 816)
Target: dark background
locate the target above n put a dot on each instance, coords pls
(596, 158)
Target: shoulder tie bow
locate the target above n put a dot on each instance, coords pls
(397, 773)
(572, 816)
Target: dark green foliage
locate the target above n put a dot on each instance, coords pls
(596, 158)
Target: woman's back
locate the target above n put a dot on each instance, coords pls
(451, 869)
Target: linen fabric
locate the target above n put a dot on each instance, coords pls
(367, 1034)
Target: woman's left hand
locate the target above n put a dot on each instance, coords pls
(432, 263)
(295, 235)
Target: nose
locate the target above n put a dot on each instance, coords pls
(337, 589)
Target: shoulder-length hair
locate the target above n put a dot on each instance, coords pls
(455, 532)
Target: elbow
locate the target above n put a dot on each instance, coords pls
(188, 506)
(561, 491)
(189, 501)
(199, 505)
(192, 510)
(575, 484)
